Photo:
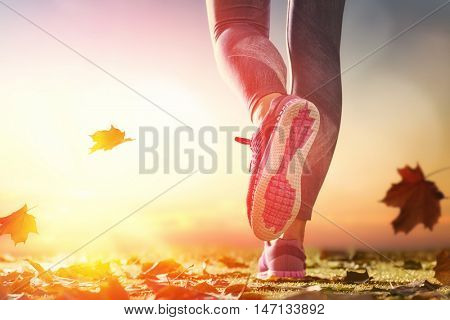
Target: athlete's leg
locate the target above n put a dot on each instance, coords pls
(314, 35)
(253, 66)
(246, 58)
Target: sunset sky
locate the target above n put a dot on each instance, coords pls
(395, 112)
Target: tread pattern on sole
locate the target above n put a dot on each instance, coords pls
(275, 194)
(280, 195)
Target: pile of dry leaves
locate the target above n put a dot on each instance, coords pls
(331, 275)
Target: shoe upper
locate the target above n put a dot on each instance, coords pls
(282, 255)
(258, 144)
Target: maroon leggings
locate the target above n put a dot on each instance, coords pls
(254, 67)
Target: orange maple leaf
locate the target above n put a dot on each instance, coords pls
(171, 292)
(108, 139)
(417, 198)
(18, 224)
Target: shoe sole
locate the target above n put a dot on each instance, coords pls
(275, 275)
(277, 195)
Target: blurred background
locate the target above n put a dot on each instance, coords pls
(395, 112)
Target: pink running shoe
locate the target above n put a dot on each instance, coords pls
(280, 147)
(282, 259)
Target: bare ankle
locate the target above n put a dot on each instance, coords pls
(296, 231)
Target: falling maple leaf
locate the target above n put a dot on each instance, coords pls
(18, 224)
(108, 139)
(417, 198)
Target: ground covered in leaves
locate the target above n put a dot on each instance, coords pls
(226, 274)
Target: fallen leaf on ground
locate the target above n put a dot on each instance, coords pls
(232, 263)
(235, 289)
(308, 295)
(417, 198)
(357, 277)
(154, 285)
(133, 260)
(21, 283)
(172, 292)
(428, 295)
(234, 274)
(366, 257)
(14, 276)
(317, 295)
(252, 296)
(442, 269)
(163, 267)
(221, 283)
(413, 288)
(350, 296)
(430, 286)
(205, 288)
(412, 265)
(3, 292)
(146, 266)
(108, 139)
(19, 225)
(61, 293)
(85, 271)
(334, 255)
(113, 290)
(180, 274)
(43, 274)
(110, 289)
(314, 288)
(204, 266)
(308, 278)
(404, 290)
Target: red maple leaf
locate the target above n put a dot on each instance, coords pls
(417, 198)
